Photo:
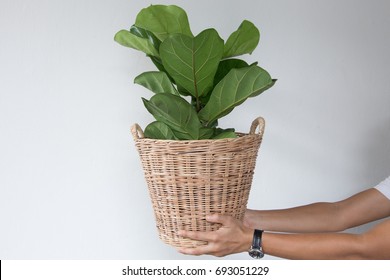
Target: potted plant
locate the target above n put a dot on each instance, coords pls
(192, 165)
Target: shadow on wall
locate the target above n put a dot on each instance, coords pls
(375, 162)
(376, 153)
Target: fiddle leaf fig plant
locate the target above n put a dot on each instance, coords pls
(197, 80)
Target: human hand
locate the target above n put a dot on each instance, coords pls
(250, 218)
(232, 237)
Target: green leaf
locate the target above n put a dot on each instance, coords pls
(157, 82)
(264, 89)
(143, 33)
(233, 90)
(157, 62)
(225, 134)
(128, 39)
(225, 66)
(206, 133)
(193, 62)
(176, 113)
(159, 130)
(220, 133)
(164, 20)
(242, 41)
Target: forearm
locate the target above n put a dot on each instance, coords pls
(361, 208)
(373, 244)
(317, 217)
(234, 237)
(313, 246)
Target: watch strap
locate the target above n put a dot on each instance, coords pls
(256, 250)
(257, 235)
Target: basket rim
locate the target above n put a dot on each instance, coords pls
(239, 134)
(258, 123)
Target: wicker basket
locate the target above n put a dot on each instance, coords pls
(188, 180)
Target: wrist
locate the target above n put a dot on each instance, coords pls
(247, 239)
(250, 218)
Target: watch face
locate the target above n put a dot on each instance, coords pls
(256, 253)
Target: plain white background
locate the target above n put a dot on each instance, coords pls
(71, 184)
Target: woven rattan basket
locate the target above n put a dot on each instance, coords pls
(188, 180)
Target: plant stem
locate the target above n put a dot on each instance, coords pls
(195, 83)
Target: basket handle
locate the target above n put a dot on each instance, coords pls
(137, 132)
(258, 123)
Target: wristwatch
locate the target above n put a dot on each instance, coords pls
(256, 250)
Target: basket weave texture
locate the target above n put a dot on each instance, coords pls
(188, 180)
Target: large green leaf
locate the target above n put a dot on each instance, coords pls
(157, 82)
(264, 88)
(193, 62)
(130, 40)
(143, 33)
(225, 66)
(157, 62)
(233, 90)
(164, 20)
(242, 41)
(144, 41)
(159, 130)
(176, 113)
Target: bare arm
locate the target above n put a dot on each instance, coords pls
(235, 236)
(356, 210)
(374, 244)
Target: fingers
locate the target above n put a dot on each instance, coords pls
(197, 235)
(211, 248)
(212, 238)
(208, 235)
(197, 251)
(220, 219)
(200, 236)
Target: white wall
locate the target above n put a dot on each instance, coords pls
(71, 185)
